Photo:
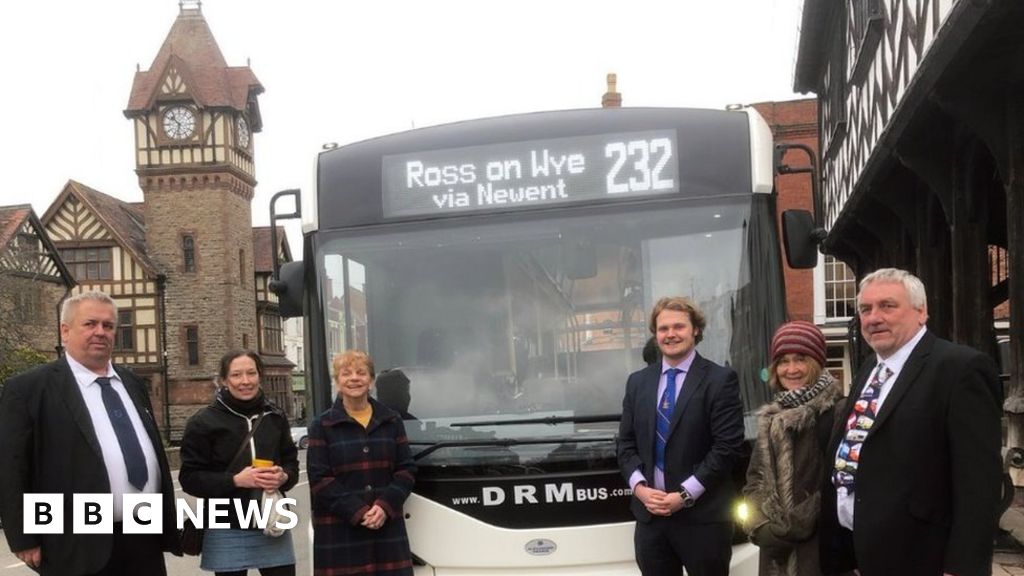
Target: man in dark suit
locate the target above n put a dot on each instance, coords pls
(680, 436)
(81, 426)
(916, 482)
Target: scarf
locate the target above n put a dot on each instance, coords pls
(801, 396)
(250, 407)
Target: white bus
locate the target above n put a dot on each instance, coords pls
(507, 266)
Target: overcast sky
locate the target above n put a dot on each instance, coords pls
(345, 70)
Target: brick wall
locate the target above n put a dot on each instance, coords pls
(218, 297)
(38, 328)
(795, 122)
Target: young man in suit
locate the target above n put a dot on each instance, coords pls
(916, 479)
(82, 426)
(680, 436)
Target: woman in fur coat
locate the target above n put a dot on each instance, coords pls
(788, 463)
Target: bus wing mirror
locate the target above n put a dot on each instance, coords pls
(801, 238)
(289, 287)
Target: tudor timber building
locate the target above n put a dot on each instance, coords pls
(182, 264)
(921, 120)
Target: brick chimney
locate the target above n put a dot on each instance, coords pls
(611, 98)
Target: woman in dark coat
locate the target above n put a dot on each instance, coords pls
(210, 468)
(360, 473)
(788, 463)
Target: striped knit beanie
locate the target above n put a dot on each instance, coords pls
(799, 337)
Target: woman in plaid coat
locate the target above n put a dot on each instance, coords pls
(360, 473)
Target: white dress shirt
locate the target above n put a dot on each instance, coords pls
(113, 459)
(845, 501)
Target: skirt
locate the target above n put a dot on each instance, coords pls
(233, 549)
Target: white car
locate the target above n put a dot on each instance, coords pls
(300, 436)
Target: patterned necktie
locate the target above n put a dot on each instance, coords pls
(857, 427)
(134, 460)
(665, 406)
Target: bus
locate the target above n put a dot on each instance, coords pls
(506, 267)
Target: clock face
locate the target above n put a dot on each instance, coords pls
(243, 133)
(179, 122)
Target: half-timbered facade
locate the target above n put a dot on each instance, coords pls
(921, 126)
(104, 239)
(33, 282)
(278, 381)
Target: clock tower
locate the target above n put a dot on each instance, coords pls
(193, 117)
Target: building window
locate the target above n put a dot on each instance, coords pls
(188, 252)
(840, 290)
(192, 345)
(88, 263)
(836, 363)
(241, 267)
(125, 339)
(271, 333)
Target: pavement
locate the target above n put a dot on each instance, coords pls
(1009, 555)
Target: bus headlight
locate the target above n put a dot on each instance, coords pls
(741, 513)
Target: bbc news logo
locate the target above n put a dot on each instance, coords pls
(143, 513)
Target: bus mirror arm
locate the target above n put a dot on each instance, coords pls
(802, 231)
(287, 280)
(274, 218)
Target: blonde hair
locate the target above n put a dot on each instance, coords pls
(351, 358)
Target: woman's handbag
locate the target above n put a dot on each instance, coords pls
(190, 537)
(275, 516)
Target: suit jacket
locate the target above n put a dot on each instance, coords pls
(705, 437)
(929, 475)
(49, 446)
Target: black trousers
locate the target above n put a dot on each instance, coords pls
(134, 554)
(664, 546)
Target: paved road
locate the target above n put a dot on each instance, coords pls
(189, 565)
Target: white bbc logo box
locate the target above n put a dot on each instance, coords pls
(92, 514)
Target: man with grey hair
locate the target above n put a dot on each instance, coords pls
(80, 425)
(915, 485)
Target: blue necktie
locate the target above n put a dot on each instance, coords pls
(666, 404)
(134, 460)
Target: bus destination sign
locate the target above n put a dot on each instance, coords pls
(530, 174)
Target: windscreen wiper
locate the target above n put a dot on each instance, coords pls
(544, 420)
(432, 447)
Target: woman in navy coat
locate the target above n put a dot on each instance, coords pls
(360, 473)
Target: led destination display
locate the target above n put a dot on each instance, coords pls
(530, 174)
